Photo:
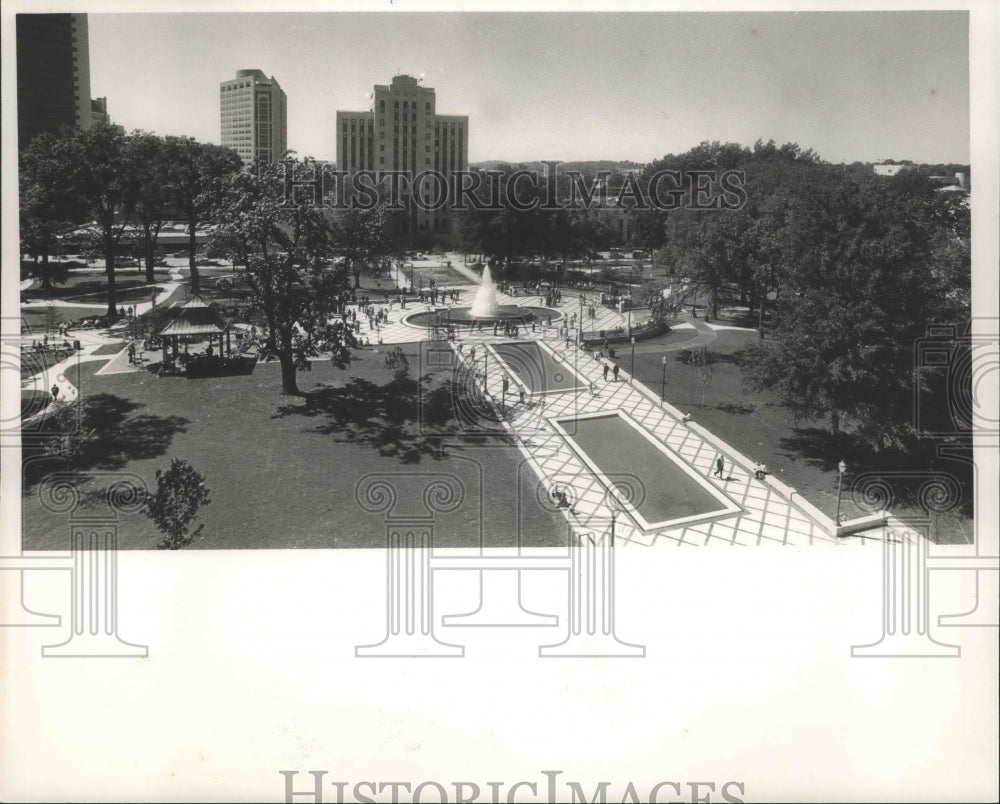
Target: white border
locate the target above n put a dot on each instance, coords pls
(555, 357)
(729, 508)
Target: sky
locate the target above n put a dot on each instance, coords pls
(853, 86)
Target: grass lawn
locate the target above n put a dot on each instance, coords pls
(283, 474)
(33, 402)
(91, 286)
(804, 455)
(33, 363)
(441, 274)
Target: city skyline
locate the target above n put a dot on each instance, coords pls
(853, 86)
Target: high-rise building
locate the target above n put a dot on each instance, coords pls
(254, 117)
(403, 132)
(99, 111)
(53, 74)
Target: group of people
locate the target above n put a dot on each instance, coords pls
(433, 294)
(759, 468)
(44, 345)
(395, 358)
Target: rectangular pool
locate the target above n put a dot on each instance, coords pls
(668, 492)
(534, 365)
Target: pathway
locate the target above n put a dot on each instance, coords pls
(771, 513)
(166, 289)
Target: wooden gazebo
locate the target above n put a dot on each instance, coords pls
(195, 319)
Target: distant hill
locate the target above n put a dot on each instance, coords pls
(589, 169)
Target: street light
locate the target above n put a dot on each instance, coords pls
(615, 506)
(632, 372)
(663, 380)
(841, 467)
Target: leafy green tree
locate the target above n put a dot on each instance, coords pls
(173, 508)
(861, 287)
(366, 241)
(153, 199)
(47, 207)
(196, 172)
(704, 363)
(285, 251)
(100, 169)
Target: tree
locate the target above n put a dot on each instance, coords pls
(180, 494)
(514, 230)
(196, 173)
(100, 170)
(152, 194)
(860, 290)
(47, 208)
(704, 363)
(285, 251)
(365, 241)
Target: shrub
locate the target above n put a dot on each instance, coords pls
(180, 492)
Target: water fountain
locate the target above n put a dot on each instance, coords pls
(484, 310)
(485, 307)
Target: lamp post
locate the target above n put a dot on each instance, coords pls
(841, 468)
(632, 372)
(663, 379)
(615, 507)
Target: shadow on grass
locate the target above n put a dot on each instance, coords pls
(406, 418)
(108, 438)
(907, 470)
(736, 410)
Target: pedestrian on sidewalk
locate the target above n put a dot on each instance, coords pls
(605, 372)
(55, 393)
(615, 372)
(720, 464)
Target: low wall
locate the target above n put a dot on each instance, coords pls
(595, 339)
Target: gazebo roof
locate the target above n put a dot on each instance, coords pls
(196, 318)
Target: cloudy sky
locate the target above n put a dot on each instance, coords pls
(852, 86)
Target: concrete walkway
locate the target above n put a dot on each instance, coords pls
(166, 290)
(55, 376)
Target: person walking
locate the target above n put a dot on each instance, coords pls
(55, 393)
(720, 465)
(615, 371)
(605, 372)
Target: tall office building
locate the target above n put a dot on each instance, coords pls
(254, 117)
(99, 111)
(404, 132)
(53, 74)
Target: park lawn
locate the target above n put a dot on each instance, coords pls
(802, 454)
(33, 362)
(425, 271)
(33, 402)
(284, 475)
(90, 286)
